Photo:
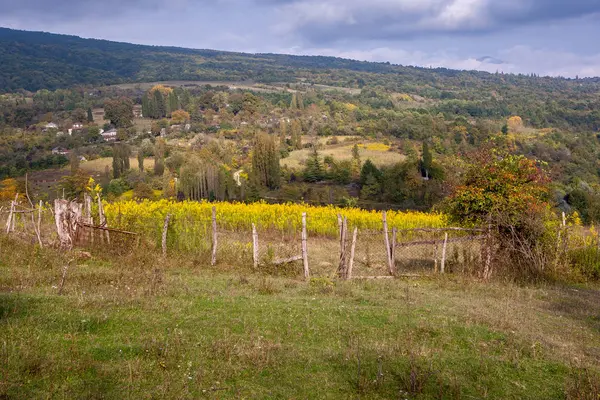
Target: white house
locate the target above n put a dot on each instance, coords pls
(60, 150)
(109, 136)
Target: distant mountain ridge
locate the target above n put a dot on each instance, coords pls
(38, 60)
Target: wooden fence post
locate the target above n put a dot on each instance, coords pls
(487, 272)
(39, 223)
(342, 264)
(443, 265)
(10, 217)
(254, 246)
(164, 235)
(393, 248)
(352, 248)
(387, 244)
(213, 260)
(305, 248)
(102, 220)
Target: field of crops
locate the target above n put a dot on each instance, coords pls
(148, 217)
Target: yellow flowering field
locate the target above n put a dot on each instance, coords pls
(148, 216)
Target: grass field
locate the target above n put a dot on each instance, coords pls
(139, 327)
(376, 152)
(97, 166)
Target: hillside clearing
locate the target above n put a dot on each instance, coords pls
(376, 152)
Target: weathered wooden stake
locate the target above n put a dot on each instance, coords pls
(305, 248)
(443, 265)
(487, 272)
(213, 261)
(387, 244)
(343, 233)
(39, 222)
(352, 248)
(164, 235)
(435, 256)
(10, 217)
(254, 246)
(102, 219)
(393, 248)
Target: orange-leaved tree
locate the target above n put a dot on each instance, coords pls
(510, 194)
(499, 187)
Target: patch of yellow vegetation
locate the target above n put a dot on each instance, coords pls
(375, 146)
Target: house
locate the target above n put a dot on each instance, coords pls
(49, 125)
(77, 126)
(110, 135)
(60, 151)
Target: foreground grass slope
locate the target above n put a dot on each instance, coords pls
(137, 326)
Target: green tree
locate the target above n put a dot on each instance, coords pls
(314, 172)
(140, 159)
(371, 189)
(426, 160)
(119, 112)
(90, 115)
(265, 161)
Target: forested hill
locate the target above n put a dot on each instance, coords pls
(37, 60)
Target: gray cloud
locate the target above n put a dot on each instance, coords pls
(329, 21)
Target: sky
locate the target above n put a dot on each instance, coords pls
(546, 37)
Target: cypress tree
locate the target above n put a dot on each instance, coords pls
(265, 162)
(299, 101)
(426, 160)
(90, 115)
(294, 103)
(314, 169)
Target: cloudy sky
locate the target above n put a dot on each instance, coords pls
(547, 37)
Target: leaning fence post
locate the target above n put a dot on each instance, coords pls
(213, 261)
(352, 248)
(10, 217)
(254, 246)
(305, 247)
(164, 235)
(443, 265)
(387, 243)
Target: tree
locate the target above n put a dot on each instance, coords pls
(356, 162)
(499, 188)
(294, 102)
(90, 115)
(313, 172)
(74, 160)
(296, 134)
(180, 116)
(265, 161)
(119, 112)
(8, 189)
(514, 123)
(120, 164)
(79, 115)
(282, 132)
(140, 158)
(371, 189)
(426, 160)
(369, 169)
(160, 148)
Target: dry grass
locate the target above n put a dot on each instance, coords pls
(96, 167)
